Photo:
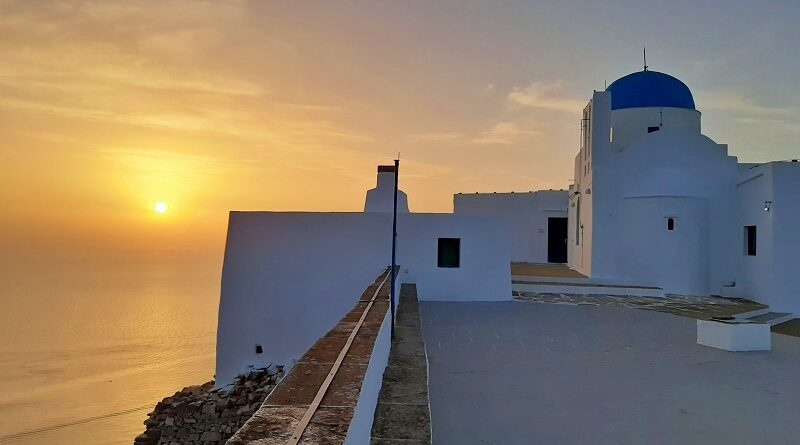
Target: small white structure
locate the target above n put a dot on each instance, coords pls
(734, 335)
(381, 198)
(289, 277)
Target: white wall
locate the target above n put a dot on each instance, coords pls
(485, 272)
(360, 430)
(594, 155)
(771, 276)
(647, 244)
(683, 166)
(524, 214)
(632, 123)
(290, 277)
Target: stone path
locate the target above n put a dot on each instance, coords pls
(402, 416)
(685, 306)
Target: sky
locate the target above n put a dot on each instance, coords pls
(108, 107)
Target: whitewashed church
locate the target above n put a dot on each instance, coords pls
(655, 204)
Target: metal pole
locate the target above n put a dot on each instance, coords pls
(394, 241)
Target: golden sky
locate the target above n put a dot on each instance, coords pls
(107, 107)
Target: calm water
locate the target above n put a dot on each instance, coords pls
(88, 347)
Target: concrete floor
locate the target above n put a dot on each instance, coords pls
(531, 373)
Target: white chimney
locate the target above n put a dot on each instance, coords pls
(381, 198)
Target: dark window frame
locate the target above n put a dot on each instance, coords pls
(653, 129)
(751, 240)
(671, 223)
(448, 253)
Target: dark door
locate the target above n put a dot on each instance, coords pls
(556, 240)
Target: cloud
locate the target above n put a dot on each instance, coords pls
(503, 133)
(546, 95)
(736, 102)
(432, 137)
(749, 112)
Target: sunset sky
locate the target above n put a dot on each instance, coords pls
(108, 107)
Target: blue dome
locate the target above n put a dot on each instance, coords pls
(650, 89)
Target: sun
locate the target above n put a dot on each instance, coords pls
(161, 207)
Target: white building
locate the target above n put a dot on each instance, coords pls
(289, 277)
(654, 203)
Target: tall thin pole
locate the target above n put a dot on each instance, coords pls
(644, 55)
(394, 240)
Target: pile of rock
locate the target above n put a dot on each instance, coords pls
(206, 416)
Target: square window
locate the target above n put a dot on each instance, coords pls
(449, 252)
(653, 129)
(670, 224)
(750, 240)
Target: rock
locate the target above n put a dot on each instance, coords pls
(210, 436)
(206, 415)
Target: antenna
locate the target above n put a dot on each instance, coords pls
(644, 53)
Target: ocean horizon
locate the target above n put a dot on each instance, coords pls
(90, 346)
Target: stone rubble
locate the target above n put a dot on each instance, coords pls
(202, 415)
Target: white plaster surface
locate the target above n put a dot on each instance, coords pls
(360, 430)
(485, 270)
(524, 214)
(735, 337)
(289, 277)
(772, 275)
(525, 373)
(381, 198)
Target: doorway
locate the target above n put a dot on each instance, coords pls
(556, 240)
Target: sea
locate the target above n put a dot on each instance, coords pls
(88, 346)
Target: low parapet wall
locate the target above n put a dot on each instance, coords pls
(330, 395)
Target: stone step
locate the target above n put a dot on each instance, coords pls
(772, 318)
(755, 313)
(586, 289)
(545, 279)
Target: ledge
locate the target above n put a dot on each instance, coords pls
(338, 413)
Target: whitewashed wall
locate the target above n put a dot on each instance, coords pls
(485, 272)
(680, 174)
(771, 276)
(360, 430)
(524, 214)
(289, 277)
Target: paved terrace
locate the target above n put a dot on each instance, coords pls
(537, 373)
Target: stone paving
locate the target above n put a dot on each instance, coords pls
(685, 306)
(402, 416)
